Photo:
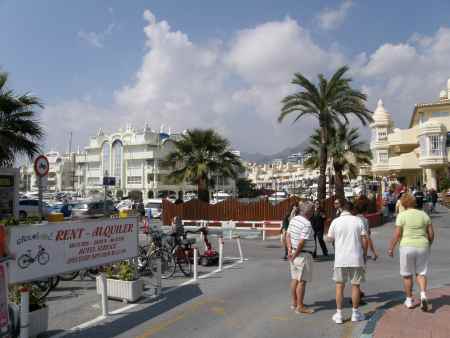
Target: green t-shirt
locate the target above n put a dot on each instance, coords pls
(414, 225)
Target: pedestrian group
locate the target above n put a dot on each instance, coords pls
(349, 233)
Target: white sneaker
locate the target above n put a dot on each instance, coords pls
(409, 303)
(337, 318)
(358, 316)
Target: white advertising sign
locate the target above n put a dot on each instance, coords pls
(55, 248)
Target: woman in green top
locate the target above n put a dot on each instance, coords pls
(415, 233)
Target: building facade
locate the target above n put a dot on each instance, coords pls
(60, 175)
(135, 158)
(417, 155)
(279, 176)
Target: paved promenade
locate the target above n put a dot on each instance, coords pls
(399, 321)
(252, 300)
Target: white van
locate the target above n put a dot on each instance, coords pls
(155, 206)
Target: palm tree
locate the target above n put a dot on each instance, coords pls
(20, 133)
(199, 156)
(330, 102)
(345, 153)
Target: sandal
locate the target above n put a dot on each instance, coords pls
(304, 310)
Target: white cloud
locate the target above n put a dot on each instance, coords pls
(331, 18)
(96, 39)
(236, 86)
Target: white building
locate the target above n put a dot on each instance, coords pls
(135, 158)
(60, 175)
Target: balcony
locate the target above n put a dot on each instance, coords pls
(434, 158)
(144, 155)
(403, 137)
(404, 161)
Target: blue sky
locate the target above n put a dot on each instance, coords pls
(83, 58)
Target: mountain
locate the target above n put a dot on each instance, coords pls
(284, 154)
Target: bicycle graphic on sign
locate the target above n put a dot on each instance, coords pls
(42, 257)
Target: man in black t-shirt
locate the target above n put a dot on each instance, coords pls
(419, 195)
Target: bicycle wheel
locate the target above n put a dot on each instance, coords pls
(69, 276)
(43, 258)
(183, 261)
(167, 264)
(24, 261)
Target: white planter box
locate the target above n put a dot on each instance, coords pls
(38, 321)
(124, 290)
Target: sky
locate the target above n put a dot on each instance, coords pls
(216, 64)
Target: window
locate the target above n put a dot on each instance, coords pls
(439, 114)
(93, 181)
(382, 135)
(134, 180)
(422, 118)
(383, 157)
(435, 144)
(93, 165)
(423, 145)
(117, 157)
(150, 178)
(134, 164)
(105, 159)
(448, 140)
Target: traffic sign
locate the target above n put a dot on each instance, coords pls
(109, 181)
(41, 166)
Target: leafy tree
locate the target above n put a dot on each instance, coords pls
(20, 132)
(345, 153)
(330, 102)
(246, 188)
(199, 156)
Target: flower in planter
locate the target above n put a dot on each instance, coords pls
(36, 300)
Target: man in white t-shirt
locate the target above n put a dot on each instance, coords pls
(350, 247)
(300, 243)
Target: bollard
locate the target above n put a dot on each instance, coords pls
(103, 293)
(158, 277)
(24, 312)
(264, 231)
(195, 262)
(220, 253)
(241, 256)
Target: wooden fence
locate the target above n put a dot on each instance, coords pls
(230, 209)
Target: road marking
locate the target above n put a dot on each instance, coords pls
(164, 324)
(129, 307)
(218, 310)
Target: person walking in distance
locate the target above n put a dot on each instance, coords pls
(415, 233)
(350, 241)
(318, 225)
(300, 243)
(284, 227)
(337, 207)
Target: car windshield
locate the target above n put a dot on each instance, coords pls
(80, 206)
(153, 205)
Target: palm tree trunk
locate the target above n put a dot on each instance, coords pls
(339, 183)
(322, 184)
(203, 191)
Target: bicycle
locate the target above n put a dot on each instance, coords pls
(149, 255)
(42, 257)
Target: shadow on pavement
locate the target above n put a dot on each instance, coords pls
(437, 303)
(133, 319)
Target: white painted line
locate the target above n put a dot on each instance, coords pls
(129, 307)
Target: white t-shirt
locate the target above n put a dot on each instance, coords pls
(300, 228)
(346, 230)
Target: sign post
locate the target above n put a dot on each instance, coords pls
(41, 168)
(107, 182)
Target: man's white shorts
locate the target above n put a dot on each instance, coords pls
(414, 261)
(301, 267)
(354, 275)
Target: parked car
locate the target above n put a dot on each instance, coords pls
(30, 208)
(92, 209)
(124, 205)
(155, 206)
